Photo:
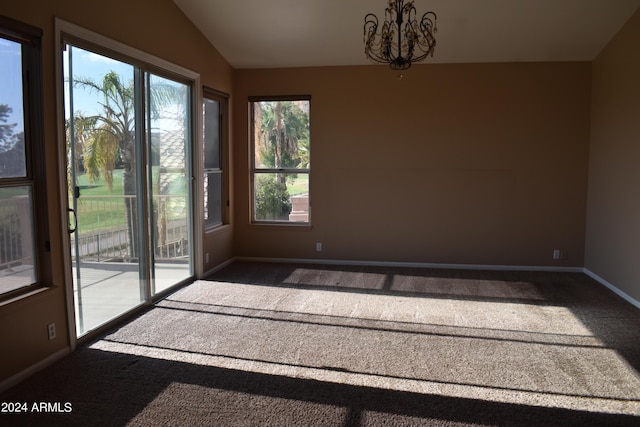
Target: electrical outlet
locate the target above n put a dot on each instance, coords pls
(318, 247)
(51, 330)
(206, 257)
(559, 254)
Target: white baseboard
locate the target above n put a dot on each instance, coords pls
(612, 287)
(44, 363)
(414, 264)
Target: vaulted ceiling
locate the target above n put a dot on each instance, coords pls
(302, 33)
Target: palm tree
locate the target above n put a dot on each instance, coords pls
(282, 142)
(112, 136)
(282, 127)
(80, 138)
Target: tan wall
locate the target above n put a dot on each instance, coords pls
(463, 164)
(613, 225)
(153, 26)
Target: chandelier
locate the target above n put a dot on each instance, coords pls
(402, 39)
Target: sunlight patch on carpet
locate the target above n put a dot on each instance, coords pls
(493, 394)
(505, 351)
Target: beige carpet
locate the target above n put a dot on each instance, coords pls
(282, 344)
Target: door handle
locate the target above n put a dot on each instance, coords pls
(75, 221)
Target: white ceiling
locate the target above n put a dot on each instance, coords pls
(303, 33)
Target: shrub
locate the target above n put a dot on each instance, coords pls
(272, 198)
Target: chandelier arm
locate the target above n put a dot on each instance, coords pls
(370, 20)
(428, 22)
(370, 30)
(376, 51)
(427, 29)
(370, 33)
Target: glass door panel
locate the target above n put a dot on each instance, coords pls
(168, 131)
(101, 131)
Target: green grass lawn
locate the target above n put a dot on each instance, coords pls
(97, 214)
(99, 187)
(299, 185)
(94, 215)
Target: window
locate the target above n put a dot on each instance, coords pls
(215, 146)
(280, 155)
(23, 234)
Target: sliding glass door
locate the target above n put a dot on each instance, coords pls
(168, 133)
(128, 131)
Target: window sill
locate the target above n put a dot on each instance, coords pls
(24, 297)
(224, 228)
(280, 226)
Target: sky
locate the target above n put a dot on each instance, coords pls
(11, 81)
(93, 66)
